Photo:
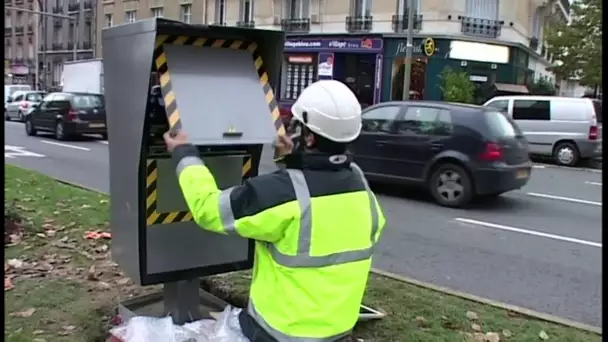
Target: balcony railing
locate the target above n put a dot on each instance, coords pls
(57, 9)
(296, 25)
(58, 46)
(70, 45)
(30, 29)
(74, 7)
(220, 23)
(58, 22)
(246, 24)
(480, 27)
(400, 22)
(88, 5)
(534, 43)
(19, 2)
(8, 31)
(19, 60)
(19, 30)
(359, 23)
(85, 45)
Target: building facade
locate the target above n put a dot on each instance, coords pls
(362, 42)
(19, 43)
(40, 44)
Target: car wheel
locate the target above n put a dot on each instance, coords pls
(20, 116)
(6, 117)
(450, 186)
(566, 154)
(29, 127)
(60, 131)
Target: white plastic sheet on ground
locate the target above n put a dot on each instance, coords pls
(151, 329)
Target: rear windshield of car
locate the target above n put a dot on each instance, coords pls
(501, 126)
(34, 97)
(87, 101)
(597, 105)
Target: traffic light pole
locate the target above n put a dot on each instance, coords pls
(52, 15)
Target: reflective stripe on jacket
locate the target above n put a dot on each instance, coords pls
(315, 229)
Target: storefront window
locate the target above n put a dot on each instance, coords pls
(417, 79)
(357, 71)
(297, 72)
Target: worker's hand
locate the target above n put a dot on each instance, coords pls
(175, 139)
(283, 145)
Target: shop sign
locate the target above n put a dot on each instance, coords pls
(425, 47)
(340, 44)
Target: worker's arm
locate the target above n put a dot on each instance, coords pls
(238, 210)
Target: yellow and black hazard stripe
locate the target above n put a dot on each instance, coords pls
(234, 44)
(153, 216)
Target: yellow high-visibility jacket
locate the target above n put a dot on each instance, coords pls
(315, 225)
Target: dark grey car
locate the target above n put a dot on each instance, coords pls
(455, 151)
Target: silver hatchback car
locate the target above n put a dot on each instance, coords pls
(20, 103)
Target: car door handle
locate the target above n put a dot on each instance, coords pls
(436, 145)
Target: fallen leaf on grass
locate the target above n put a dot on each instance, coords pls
(479, 337)
(85, 206)
(543, 335)
(421, 321)
(93, 274)
(25, 313)
(38, 332)
(476, 327)
(97, 235)
(15, 263)
(492, 337)
(103, 201)
(507, 333)
(472, 316)
(451, 325)
(8, 284)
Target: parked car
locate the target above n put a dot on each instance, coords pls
(67, 115)
(568, 129)
(10, 89)
(20, 103)
(455, 151)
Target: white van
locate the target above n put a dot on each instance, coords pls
(10, 89)
(566, 128)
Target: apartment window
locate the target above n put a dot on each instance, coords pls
(361, 8)
(157, 12)
(297, 9)
(9, 51)
(186, 13)
(19, 19)
(130, 16)
(8, 20)
(246, 11)
(88, 32)
(109, 20)
(536, 23)
(71, 32)
(19, 51)
(30, 51)
(220, 12)
(402, 6)
(482, 9)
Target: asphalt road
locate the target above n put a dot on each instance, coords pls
(539, 247)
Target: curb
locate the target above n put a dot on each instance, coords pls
(551, 166)
(522, 311)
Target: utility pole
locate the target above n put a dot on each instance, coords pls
(409, 49)
(41, 13)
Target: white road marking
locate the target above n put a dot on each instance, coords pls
(539, 166)
(18, 151)
(594, 183)
(530, 232)
(102, 142)
(65, 145)
(567, 199)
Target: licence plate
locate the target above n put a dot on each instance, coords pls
(97, 125)
(522, 174)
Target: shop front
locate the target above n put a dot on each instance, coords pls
(488, 65)
(355, 61)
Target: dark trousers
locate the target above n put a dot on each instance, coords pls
(254, 332)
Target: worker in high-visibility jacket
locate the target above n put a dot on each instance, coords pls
(315, 222)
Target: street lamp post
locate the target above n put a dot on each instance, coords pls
(409, 49)
(41, 13)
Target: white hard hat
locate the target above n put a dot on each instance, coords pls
(332, 110)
